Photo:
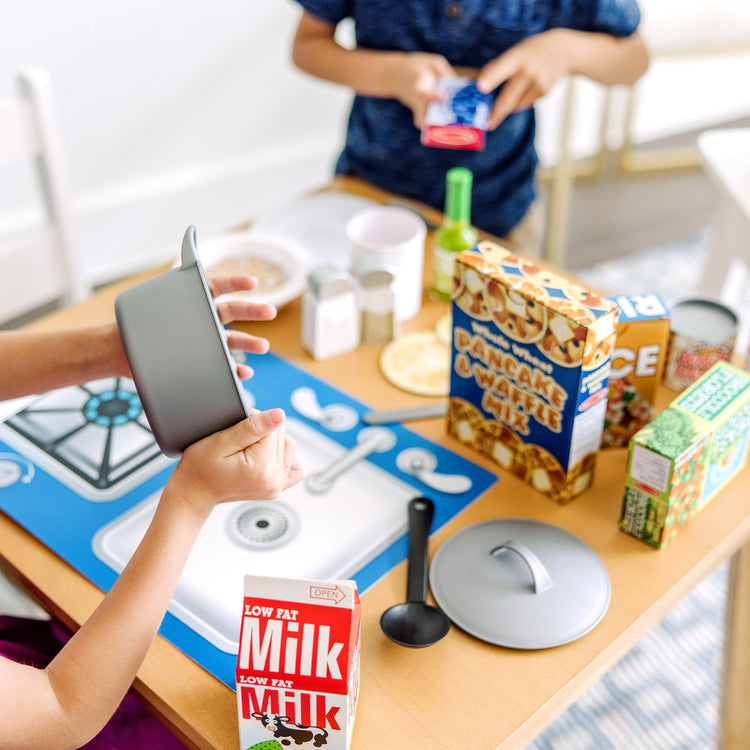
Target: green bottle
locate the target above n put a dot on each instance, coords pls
(456, 233)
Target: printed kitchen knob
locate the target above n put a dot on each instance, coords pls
(14, 469)
(334, 417)
(421, 463)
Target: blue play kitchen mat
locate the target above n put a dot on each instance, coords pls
(79, 469)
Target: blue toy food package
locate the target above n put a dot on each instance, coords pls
(459, 119)
(530, 363)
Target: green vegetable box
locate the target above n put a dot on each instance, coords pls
(682, 458)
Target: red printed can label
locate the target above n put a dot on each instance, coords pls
(703, 332)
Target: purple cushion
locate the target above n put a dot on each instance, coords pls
(36, 642)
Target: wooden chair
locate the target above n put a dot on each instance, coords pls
(35, 271)
(676, 32)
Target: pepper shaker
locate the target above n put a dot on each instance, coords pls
(377, 299)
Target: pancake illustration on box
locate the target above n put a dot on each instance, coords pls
(529, 378)
(522, 317)
(470, 296)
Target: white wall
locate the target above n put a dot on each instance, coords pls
(173, 112)
(188, 111)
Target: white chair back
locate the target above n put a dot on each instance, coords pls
(34, 274)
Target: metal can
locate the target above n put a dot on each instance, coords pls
(702, 331)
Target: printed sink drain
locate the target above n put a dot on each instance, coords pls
(263, 525)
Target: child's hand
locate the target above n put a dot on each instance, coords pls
(529, 70)
(228, 311)
(252, 460)
(231, 310)
(414, 78)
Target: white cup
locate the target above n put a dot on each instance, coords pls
(398, 236)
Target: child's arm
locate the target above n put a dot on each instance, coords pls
(68, 703)
(408, 77)
(532, 67)
(38, 361)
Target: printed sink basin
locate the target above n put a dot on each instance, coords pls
(327, 534)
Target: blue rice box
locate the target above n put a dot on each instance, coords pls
(459, 119)
(530, 363)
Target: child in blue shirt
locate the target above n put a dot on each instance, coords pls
(519, 48)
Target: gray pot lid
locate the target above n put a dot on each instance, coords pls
(520, 583)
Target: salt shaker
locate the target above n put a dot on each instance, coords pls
(330, 313)
(377, 299)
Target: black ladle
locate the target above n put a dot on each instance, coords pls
(416, 623)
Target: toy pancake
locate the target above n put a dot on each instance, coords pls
(418, 363)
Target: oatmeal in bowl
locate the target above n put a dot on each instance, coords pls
(279, 264)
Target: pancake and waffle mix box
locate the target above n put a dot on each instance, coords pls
(686, 454)
(298, 663)
(530, 361)
(637, 363)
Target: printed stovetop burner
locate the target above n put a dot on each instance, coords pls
(96, 436)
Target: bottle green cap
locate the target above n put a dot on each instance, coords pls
(458, 181)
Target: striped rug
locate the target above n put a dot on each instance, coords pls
(664, 693)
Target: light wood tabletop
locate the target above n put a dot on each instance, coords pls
(460, 692)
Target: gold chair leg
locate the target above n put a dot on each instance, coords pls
(561, 188)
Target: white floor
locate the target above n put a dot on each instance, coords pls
(15, 602)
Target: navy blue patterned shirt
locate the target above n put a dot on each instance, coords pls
(382, 143)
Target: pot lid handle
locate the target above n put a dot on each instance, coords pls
(539, 574)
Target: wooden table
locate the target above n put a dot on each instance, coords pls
(461, 692)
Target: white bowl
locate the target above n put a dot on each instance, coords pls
(279, 264)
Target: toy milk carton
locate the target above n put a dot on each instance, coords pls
(637, 363)
(459, 119)
(530, 360)
(681, 459)
(298, 663)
